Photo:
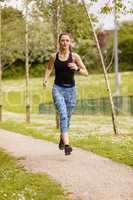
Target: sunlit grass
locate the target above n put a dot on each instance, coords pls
(89, 87)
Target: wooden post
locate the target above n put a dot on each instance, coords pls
(0, 68)
(56, 21)
(27, 94)
(114, 120)
(116, 59)
(56, 31)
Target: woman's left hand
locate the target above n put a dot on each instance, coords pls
(73, 66)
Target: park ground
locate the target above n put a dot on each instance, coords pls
(93, 133)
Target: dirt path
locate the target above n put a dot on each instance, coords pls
(87, 175)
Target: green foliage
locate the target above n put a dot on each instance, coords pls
(106, 9)
(12, 36)
(75, 21)
(37, 70)
(120, 6)
(14, 71)
(126, 46)
(126, 55)
(13, 43)
(41, 38)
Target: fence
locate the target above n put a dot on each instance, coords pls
(123, 105)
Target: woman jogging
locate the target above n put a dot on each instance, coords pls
(65, 63)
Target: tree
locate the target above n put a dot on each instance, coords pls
(126, 46)
(27, 78)
(56, 5)
(125, 50)
(1, 60)
(56, 9)
(13, 40)
(71, 18)
(74, 20)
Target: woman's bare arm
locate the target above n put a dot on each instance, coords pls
(49, 69)
(80, 64)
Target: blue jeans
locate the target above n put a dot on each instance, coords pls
(65, 102)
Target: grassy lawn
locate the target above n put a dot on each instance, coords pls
(17, 183)
(94, 134)
(92, 86)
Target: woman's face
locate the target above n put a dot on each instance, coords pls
(65, 42)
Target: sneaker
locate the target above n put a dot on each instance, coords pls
(68, 150)
(61, 144)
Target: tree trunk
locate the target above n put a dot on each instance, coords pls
(114, 121)
(56, 32)
(27, 94)
(56, 21)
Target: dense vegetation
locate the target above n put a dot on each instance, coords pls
(126, 46)
(41, 39)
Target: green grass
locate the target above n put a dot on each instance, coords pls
(92, 86)
(25, 129)
(118, 148)
(17, 183)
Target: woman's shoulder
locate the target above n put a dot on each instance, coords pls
(53, 56)
(75, 56)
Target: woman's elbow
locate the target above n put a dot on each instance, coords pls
(86, 73)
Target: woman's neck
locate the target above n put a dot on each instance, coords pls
(63, 55)
(64, 52)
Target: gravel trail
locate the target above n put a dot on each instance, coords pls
(83, 173)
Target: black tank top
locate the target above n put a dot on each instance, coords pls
(64, 76)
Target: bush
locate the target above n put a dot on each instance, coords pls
(14, 71)
(37, 70)
(126, 52)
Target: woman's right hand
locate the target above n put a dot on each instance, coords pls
(45, 82)
(73, 66)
